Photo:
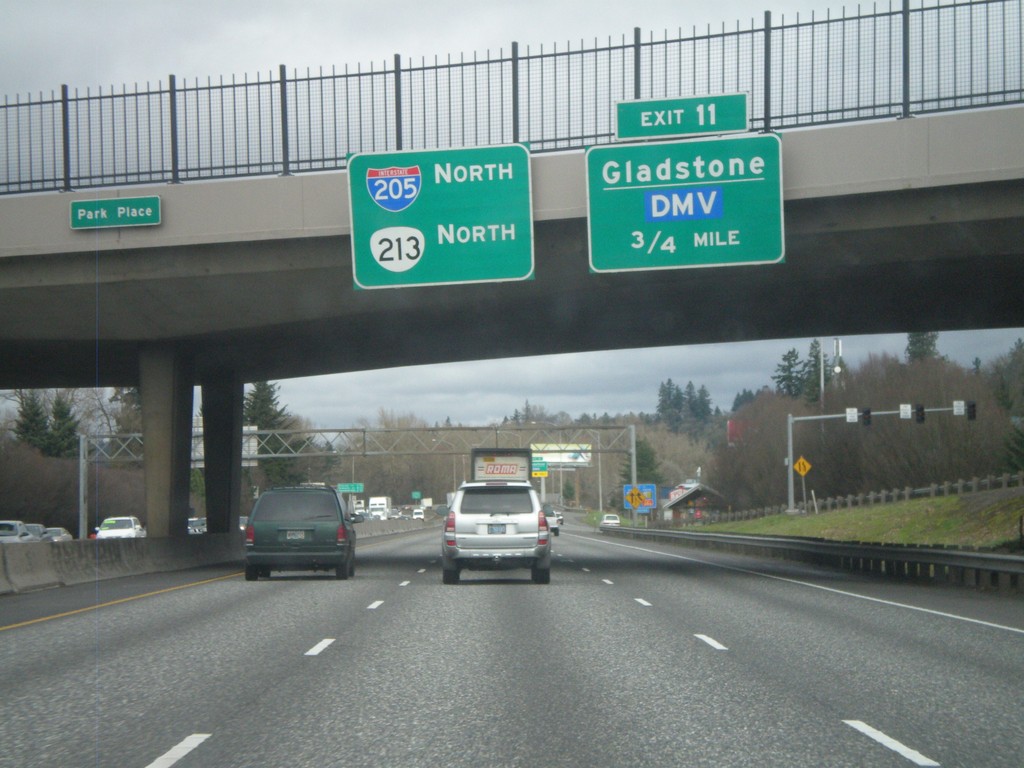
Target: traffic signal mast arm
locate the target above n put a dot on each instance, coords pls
(960, 408)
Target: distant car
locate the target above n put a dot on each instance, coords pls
(58, 534)
(121, 528)
(611, 520)
(37, 530)
(15, 532)
(197, 525)
(305, 528)
(554, 519)
(417, 514)
(496, 526)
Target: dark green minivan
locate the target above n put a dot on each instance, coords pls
(304, 528)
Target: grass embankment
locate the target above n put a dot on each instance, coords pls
(989, 520)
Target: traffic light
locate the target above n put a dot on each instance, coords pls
(972, 410)
(865, 417)
(919, 414)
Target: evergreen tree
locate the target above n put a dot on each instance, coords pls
(816, 365)
(700, 405)
(261, 408)
(62, 438)
(921, 346)
(789, 375)
(670, 406)
(129, 417)
(1015, 450)
(742, 398)
(646, 465)
(32, 426)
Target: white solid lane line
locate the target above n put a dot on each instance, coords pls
(316, 649)
(712, 642)
(887, 741)
(187, 745)
(375, 605)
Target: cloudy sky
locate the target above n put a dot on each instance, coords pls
(88, 44)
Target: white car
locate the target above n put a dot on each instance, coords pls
(121, 528)
(417, 514)
(15, 532)
(496, 525)
(611, 520)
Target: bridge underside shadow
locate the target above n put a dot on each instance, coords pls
(921, 260)
(936, 259)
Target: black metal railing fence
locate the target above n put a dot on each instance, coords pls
(891, 63)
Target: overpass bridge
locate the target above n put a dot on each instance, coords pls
(903, 223)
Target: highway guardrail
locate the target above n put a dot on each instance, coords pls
(983, 570)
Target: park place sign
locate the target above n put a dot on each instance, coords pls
(116, 212)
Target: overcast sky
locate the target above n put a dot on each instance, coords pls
(87, 44)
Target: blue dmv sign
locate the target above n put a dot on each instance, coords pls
(641, 497)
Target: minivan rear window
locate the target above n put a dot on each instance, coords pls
(490, 501)
(295, 507)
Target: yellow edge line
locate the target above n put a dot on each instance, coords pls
(118, 602)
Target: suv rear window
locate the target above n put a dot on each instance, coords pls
(489, 501)
(296, 507)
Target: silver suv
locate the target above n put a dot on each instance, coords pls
(496, 526)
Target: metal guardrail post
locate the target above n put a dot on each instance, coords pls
(285, 170)
(767, 79)
(398, 101)
(636, 62)
(515, 93)
(172, 96)
(906, 58)
(65, 109)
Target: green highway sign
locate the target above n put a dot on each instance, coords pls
(438, 217)
(117, 212)
(698, 203)
(664, 118)
(350, 487)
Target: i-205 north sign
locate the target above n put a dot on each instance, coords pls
(696, 203)
(437, 217)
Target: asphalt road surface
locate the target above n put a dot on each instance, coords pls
(634, 655)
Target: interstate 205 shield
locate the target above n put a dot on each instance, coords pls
(394, 189)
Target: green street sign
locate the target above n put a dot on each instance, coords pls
(699, 203)
(117, 212)
(664, 118)
(350, 487)
(438, 217)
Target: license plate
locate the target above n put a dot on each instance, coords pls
(295, 535)
(496, 528)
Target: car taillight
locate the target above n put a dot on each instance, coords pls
(250, 534)
(449, 529)
(342, 534)
(543, 529)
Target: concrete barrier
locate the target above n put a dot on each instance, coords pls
(5, 583)
(40, 565)
(30, 566)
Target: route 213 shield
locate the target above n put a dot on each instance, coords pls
(394, 189)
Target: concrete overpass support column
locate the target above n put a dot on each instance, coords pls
(222, 451)
(166, 380)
